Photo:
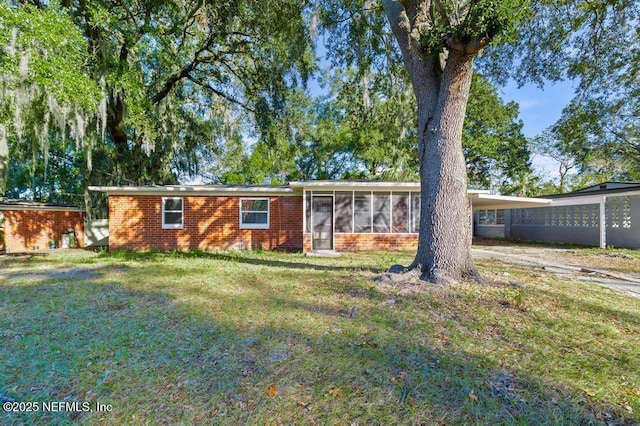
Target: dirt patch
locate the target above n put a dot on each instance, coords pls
(55, 273)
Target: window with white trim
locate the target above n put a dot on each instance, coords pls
(254, 213)
(172, 212)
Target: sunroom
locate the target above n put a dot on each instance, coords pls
(353, 215)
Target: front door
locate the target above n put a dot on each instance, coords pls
(322, 223)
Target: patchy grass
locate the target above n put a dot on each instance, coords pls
(250, 337)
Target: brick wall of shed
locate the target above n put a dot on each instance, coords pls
(33, 229)
(210, 223)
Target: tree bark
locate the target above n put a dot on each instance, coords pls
(444, 244)
(441, 85)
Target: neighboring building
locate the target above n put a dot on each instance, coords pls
(489, 223)
(33, 226)
(307, 216)
(607, 214)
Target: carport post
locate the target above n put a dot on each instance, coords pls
(603, 223)
(471, 217)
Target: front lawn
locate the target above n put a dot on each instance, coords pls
(268, 338)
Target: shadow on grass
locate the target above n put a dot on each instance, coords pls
(607, 312)
(157, 359)
(247, 257)
(492, 242)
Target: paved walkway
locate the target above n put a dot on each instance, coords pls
(624, 282)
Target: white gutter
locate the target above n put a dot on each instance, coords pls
(354, 185)
(577, 201)
(193, 190)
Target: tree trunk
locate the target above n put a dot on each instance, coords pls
(444, 244)
(4, 160)
(441, 84)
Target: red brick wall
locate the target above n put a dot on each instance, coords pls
(29, 229)
(307, 243)
(356, 242)
(209, 222)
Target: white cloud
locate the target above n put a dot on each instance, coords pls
(530, 104)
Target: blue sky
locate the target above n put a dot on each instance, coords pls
(539, 109)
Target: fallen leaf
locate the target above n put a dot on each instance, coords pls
(589, 392)
(302, 404)
(336, 393)
(271, 390)
(473, 396)
(628, 408)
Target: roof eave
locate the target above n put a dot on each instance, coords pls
(192, 190)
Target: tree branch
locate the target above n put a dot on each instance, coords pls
(400, 26)
(171, 81)
(471, 47)
(443, 13)
(220, 93)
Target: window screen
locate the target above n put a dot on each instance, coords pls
(254, 213)
(482, 217)
(362, 212)
(491, 217)
(415, 212)
(344, 211)
(381, 212)
(400, 212)
(172, 212)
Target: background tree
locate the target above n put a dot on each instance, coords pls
(496, 151)
(595, 44)
(547, 145)
(177, 78)
(367, 130)
(45, 89)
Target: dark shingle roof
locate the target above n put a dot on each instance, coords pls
(31, 204)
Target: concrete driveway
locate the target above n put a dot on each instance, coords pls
(610, 268)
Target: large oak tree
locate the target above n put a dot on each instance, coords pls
(439, 41)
